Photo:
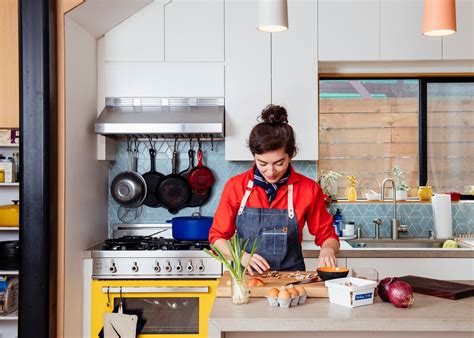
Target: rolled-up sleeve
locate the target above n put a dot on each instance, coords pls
(319, 221)
(223, 225)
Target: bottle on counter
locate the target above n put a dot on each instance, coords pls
(338, 222)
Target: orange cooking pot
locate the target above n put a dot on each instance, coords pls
(10, 215)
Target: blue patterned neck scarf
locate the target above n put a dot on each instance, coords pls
(270, 188)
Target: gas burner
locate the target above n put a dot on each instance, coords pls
(152, 243)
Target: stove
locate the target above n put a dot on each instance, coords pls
(153, 257)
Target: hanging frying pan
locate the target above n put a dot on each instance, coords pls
(201, 177)
(173, 190)
(129, 188)
(152, 179)
(195, 199)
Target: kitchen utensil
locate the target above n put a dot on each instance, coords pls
(9, 255)
(312, 289)
(152, 179)
(129, 215)
(306, 281)
(194, 228)
(10, 214)
(201, 177)
(442, 216)
(129, 188)
(195, 200)
(327, 273)
(439, 288)
(173, 190)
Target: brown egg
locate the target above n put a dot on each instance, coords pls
(273, 292)
(293, 292)
(301, 290)
(284, 294)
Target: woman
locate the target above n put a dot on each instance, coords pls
(271, 203)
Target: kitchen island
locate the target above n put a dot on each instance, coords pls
(428, 317)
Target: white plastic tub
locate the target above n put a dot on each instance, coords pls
(359, 291)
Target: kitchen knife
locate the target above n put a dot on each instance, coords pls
(306, 281)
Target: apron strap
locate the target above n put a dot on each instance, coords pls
(291, 210)
(246, 197)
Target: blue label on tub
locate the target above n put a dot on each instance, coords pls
(363, 296)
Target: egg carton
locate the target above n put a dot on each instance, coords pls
(286, 303)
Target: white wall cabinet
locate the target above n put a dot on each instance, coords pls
(401, 32)
(460, 46)
(194, 30)
(438, 268)
(348, 30)
(262, 68)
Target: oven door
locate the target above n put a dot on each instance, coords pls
(166, 308)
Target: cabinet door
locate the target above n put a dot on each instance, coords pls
(294, 74)
(139, 38)
(9, 76)
(247, 75)
(194, 30)
(401, 32)
(348, 30)
(460, 46)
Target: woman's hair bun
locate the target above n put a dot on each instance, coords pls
(274, 114)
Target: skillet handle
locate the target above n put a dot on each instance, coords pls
(135, 161)
(174, 162)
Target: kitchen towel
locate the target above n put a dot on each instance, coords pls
(119, 325)
(442, 218)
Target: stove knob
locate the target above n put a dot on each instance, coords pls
(135, 267)
(113, 268)
(179, 267)
(168, 267)
(157, 267)
(190, 267)
(201, 267)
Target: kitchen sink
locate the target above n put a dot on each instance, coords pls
(399, 243)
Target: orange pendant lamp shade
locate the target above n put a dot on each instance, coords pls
(439, 17)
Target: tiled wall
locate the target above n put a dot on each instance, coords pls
(417, 216)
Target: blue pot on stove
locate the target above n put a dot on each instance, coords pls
(191, 228)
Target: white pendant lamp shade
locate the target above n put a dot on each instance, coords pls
(439, 17)
(272, 15)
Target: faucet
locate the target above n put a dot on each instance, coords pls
(395, 224)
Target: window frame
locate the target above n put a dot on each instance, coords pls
(424, 80)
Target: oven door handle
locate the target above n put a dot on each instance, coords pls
(155, 289)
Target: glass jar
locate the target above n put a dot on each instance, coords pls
(425, 193)
(240, 290)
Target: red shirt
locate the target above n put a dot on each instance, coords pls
(308, 202)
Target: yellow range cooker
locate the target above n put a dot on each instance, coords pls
(171, 285)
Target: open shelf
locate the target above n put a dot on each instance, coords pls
(10, 184)
(9, 228)
(10, 316)
(8, 272)
(9, 145)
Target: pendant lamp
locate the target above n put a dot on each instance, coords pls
(439, 17)
(272, 16)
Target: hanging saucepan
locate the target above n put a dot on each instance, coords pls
(129, 188)
(193, 228)
(173, 190)
(200, 177)
(152, 179)
(9, 255)
(195, 199)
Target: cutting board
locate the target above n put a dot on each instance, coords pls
(439, 288)
(313, 289)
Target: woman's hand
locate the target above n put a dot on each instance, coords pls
(327, 257)
(257, 263)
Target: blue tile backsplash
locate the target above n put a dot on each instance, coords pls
(417, 216)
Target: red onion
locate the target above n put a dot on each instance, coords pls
(400, 294)
(383, 287)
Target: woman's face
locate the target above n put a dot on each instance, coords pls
(272, 164)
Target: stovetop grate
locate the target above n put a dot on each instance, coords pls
(152, 243)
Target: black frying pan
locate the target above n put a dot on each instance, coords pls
(173, 190)
(152, 179)
(195, 199)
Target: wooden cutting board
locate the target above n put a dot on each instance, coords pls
(439, 288)
(313, 289)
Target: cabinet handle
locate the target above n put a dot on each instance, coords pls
(157, 289)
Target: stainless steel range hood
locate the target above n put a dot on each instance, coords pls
(162, 117)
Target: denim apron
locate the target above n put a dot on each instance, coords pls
(276, 231)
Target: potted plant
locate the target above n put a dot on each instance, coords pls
(240, 291)
(401, 186)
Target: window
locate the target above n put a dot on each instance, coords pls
(368, 126)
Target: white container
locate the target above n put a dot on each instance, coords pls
(360, 292)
